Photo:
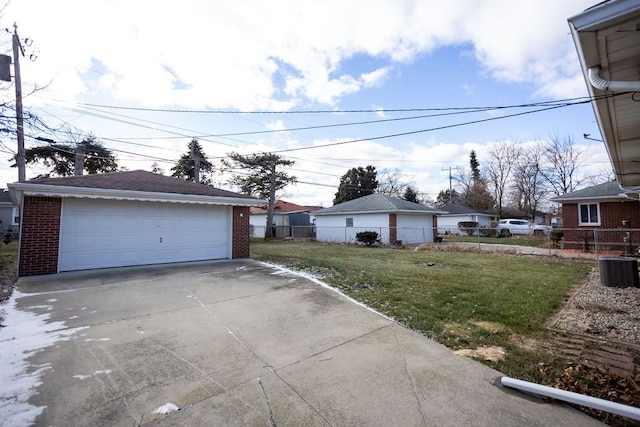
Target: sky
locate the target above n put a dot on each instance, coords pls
(387, 83)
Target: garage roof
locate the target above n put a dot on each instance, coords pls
(607, 38)
(376, 203)
(130, 185)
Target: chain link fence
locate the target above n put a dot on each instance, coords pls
(597, 241)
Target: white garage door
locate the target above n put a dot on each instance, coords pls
(112, 233)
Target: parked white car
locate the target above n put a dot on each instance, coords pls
(507, 227)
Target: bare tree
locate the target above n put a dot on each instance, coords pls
(563, 162)
(464, 178)
(502, 157)
(392, 183)
(529, 182)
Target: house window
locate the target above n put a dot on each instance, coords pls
(16, 216)
(589, 214)
(349, 222)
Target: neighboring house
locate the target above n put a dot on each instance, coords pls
(9, 214)
(608, 44)
(289, 220)
(124, 219)
(456, 212)
(597, 213)
(393, 219)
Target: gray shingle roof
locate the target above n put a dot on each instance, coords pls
(5, 197)
(376, 203)
(137, 180)
(608, 190)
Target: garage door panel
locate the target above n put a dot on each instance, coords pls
(101, 233)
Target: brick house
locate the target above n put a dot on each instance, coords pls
(596, 214)
(125, 219)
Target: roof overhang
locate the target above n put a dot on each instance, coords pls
(624, 196)
(409, 212)
(488, 215)
(607, 39)
(20, 189)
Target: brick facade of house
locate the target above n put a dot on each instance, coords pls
(240, 232)
(40, 235)
(612, 214)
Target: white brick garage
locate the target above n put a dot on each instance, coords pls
(110, 233)
(393, 219)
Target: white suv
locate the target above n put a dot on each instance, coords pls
(507, 227)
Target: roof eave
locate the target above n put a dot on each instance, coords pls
(434, 212)
(19, 189)
(592, 199)
(584, 27)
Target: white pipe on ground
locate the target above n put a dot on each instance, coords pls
(571, 397)
(612, 85)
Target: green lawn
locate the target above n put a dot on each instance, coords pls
(460, 299)
(9, 251)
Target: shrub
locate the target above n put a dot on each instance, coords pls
(487, 232)
(556, 235)
(368, 238)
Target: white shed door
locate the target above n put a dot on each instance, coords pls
(113, 233)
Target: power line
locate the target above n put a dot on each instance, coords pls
(389, 110)
(333, 144)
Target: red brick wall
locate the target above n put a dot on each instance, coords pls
(611, 216)
(435, 227)
(393, 228)
(39, 236)
(240, 236)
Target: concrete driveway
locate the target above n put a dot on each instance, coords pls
(241, 343)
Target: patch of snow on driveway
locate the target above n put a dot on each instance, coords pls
(167, 408)
(24, 333)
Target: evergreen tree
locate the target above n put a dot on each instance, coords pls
(444, 198)
(61, 157)
(356, 183)
(477, 194)
(155, 168)
(186, 166)
(410, 195)
(261, 178)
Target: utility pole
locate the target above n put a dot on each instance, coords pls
(450, 185)
(79, 160)
(271, 232)
(17, 50)
(196, 161)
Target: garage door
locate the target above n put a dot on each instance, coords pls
(111, 233)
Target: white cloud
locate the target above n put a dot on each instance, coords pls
(229, 54)
(376, 77)
(277, 125)
(285, 54)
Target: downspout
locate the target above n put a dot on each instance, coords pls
(612, 85)
(571, 397)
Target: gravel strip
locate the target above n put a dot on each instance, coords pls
(602, 311)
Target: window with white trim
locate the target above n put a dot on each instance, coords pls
(349, 222)
(15, 215)
(589, 214)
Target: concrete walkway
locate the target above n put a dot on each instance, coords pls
(240, 343)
